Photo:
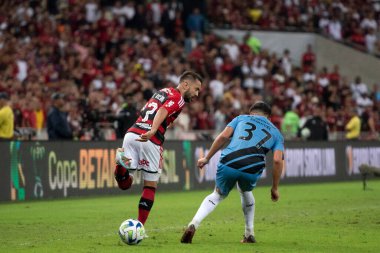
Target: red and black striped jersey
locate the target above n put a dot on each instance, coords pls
(168, 98)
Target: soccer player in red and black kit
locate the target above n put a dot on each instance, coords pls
(142, 145)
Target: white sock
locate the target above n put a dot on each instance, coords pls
(208, 205)
(248, 206)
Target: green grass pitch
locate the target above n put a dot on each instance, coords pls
(327, 217)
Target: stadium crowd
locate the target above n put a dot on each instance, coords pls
(355, 22)
(104, 59)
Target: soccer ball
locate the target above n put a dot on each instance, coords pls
(131, 231)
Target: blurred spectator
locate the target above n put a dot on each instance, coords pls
(332, 123)
(196, 22)
(125, 118)
(276, 116)
(156, 9)
(308, 59)
(57, 124)
(369, 22)
(182, 124)
(315, 128)
(368, 125)
(220, 118)
(286, 62)
(232, 48)
(52, 6)
(353, 126)
(191, 42)
(363, 102)
(217, 87)
(376, 94)
(253, 43)
(38, 116)
(334, 76)
(290, 124)
(92, 14)
(6, 118)
(358, 88)
(202, 118)
(124, 13)
(371, 41)
(259, 72)
(309, 75)
(323, 78)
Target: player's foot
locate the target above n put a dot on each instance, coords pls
(249, 239)
(187, 236)
(122, 177)
(121, 159)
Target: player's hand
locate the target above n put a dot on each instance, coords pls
(145, 137)
(275, 195)
(202, 162)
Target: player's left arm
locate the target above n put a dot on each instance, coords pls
(278, 165)
(160, 116)
(219, 142)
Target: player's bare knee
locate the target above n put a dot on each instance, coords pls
(150, 183)
(219, 192)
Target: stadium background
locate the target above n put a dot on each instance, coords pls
(110, 56)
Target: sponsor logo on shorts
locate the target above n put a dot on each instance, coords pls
(144, 162)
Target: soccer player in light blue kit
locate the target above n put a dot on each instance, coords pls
(242, 162)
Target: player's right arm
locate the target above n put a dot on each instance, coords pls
(219, 142)
(160, 116)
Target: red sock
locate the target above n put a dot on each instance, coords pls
(123, 179)
(146, 203)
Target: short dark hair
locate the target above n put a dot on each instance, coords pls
(190, 75)
(261, 107)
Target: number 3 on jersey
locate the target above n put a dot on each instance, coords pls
(252, 127)
(149, 110)
(249, 131)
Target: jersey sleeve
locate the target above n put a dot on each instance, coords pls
(233, 123)
(279, 143)
(173, 104)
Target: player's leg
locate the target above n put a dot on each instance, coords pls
(208, 205)
(245, 186)
(146, 200)
(126, 162)
(248, 207)
(150, 163)
(225, 180)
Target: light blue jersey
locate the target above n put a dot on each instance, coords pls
(244, 157)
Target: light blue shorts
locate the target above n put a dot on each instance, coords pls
(226, 178)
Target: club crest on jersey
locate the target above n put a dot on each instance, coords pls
(170, 103)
